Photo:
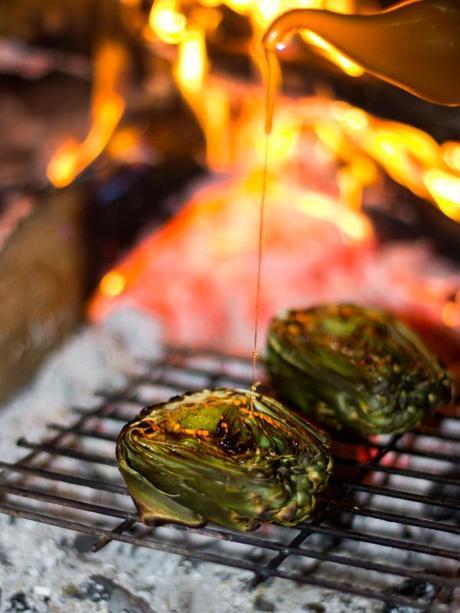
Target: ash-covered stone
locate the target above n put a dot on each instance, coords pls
(120, 599)
(421, 592)
(18, 602)
(92, 590)
(448, 491)
(315, 606)
(262, 604)
(4, 559)
(83, 543)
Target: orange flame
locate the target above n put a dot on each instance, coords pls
(362, 146)
(166, 21)
(409, 155)
(192, 62)
(169, 23)
(107, 108)
(212, 109)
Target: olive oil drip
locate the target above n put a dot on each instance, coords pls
(271, 82)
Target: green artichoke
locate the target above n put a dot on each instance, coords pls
(233, 457)
(346, 365)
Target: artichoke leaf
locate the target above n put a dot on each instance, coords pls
(156, 507)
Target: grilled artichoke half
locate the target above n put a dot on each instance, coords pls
(353, 366)
(215, 455)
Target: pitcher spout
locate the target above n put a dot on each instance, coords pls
(415, 45)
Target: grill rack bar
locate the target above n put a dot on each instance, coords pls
(167, 376)
(246, 539)
(203, 556)
(382, 491)
(108, 461)
(313, 527)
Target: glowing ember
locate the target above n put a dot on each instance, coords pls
(451, 314)
(196, 274)
(112, 284)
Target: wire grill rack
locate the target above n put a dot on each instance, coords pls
(388, 527)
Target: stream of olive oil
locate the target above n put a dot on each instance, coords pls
(271, 83)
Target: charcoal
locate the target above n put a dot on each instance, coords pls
(18, 602)
(93, 591)
(261, 604)
(421, 592)
(83, 543)
(315, 606)
(120, 599)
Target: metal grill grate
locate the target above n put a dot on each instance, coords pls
(388, 527)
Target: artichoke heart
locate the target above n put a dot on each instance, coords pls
(346, 365)
(232, 457)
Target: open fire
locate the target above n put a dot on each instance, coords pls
(363, 145)
(196, 274)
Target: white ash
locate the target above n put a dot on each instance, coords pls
(44, 568)
(95, 358)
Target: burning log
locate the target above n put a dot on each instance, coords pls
(33, 63)
(43, 265)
